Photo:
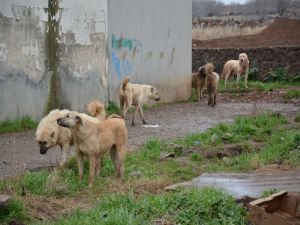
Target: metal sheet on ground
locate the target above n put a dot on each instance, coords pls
(243, 184)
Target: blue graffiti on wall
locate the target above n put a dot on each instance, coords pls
(122, 66)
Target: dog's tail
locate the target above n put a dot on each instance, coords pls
(114, 116)
(125, 82)
(97, 109)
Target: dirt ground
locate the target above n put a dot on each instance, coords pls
(19, 152)
(282, 32)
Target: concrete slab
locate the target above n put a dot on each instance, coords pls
(243, 184)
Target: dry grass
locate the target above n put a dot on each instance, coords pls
(217, 32)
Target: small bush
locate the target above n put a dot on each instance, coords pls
(14, 210)
(26, 123)
(292, 94)
(253, 73)
(113, 108)
(297, 118)
(282, 75)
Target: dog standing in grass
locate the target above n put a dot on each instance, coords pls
(238, 67)
(94, 138)
(199, 82)
(212, 82)
(49, 134)
(135, 94)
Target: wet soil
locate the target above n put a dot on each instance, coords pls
(19, 152)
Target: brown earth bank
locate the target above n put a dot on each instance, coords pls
(282, 32)
(19, 152)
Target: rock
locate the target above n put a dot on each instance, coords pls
(4, 199)
(61, 189)
(175, 146)
(214, 138)
(226, 136)
(135, 174)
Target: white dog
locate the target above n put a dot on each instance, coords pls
(238, 67)
(135, 94)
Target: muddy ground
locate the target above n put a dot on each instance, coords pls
(19, 151)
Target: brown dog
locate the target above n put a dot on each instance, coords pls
(212, 82)
(135, 94)
(199, 82)
(238, 67)
(94, 138)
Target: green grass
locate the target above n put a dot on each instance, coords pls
(112, 108)
(206, 206)
(26, 123)
(134, 201)
(292, 94)
(297, 118)
(14, 210)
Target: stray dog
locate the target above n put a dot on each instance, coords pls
(135, 94)
(49, 134)
(94, 138)
(238, 67)
(199, 82)
(212, 81)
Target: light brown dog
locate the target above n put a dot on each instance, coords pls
(94, 138)
(238, 67)
(49, 134)
(135, 94)
(199, 82)
(212, 82)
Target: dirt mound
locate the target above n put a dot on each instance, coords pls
(282, 32)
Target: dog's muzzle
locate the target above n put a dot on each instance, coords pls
(157, 99)
(60, 122)
(43, 149)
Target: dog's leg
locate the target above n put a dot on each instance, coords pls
(98, 165)
(198, 92)
(65, 148)
(134, 115)
(238, 80)
(80, 164)
(92, 170)
(215, 99)
(142, 115)
(246, 79)
(120, 161)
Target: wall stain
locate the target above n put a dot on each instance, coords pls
(172, 55)
(161, 55)
(52, 54)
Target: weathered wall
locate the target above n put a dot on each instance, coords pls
(264, 59)
(52, 54)
(151, 42)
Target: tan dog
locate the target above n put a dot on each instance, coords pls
(238, 67)
(199, 82)
(212, 82)
(135, 94)
(49, 134)
(94, 138)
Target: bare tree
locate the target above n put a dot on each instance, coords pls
(282, 6)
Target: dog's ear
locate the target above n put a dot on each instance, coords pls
(152, 89)
(78, 120)
(52, 134)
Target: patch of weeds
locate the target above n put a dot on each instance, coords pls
(253, 73)
(14, 210)
(292, 94)
(268, 192)
(193, 97)
(112, 108)
(196, 157)
(24, 124)
(206, 206)
(297, 118)
(282, 75)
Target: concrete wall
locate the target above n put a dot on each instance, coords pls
(151, 41)
(31, 52)
(264, 59)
